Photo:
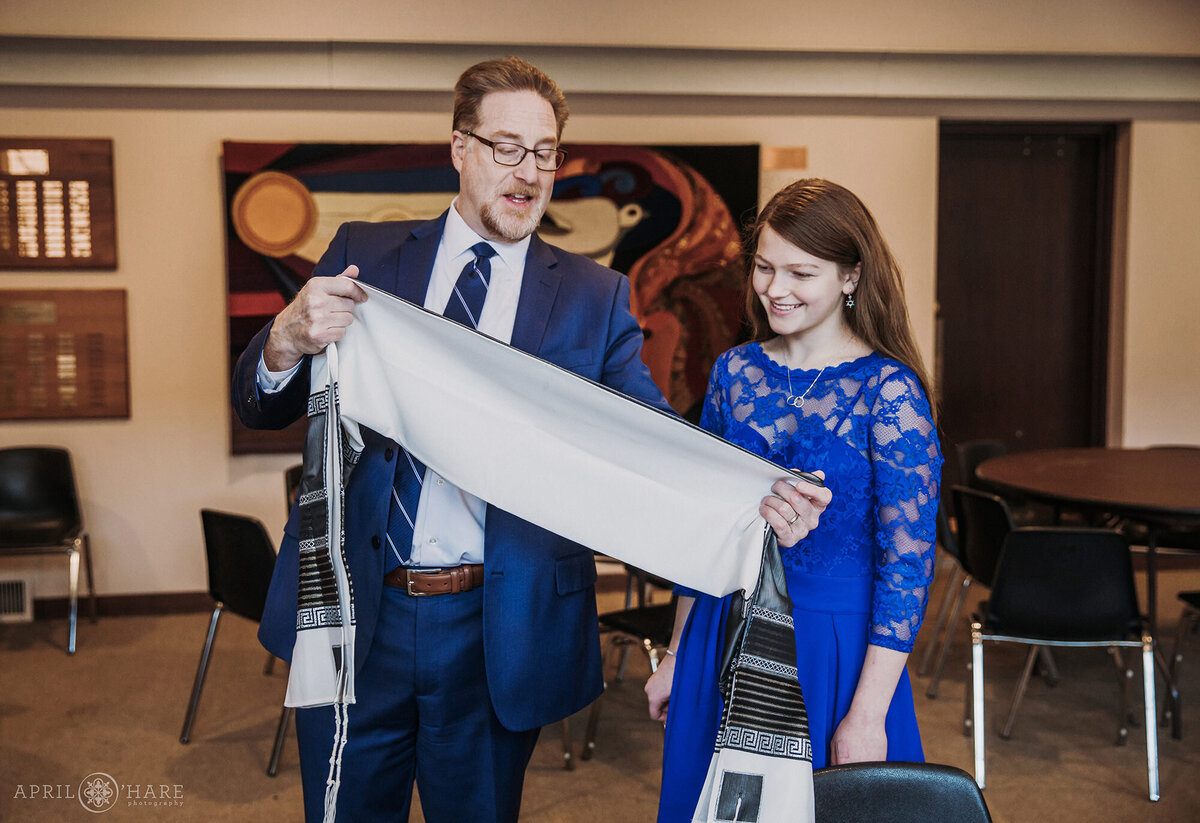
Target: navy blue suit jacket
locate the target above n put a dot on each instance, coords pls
(541, 644)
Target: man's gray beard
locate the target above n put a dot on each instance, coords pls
(509, 227)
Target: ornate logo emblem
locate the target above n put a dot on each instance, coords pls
(98, 792)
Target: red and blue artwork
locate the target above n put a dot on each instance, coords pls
(668, 217)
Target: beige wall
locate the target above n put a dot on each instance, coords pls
(1162, 326)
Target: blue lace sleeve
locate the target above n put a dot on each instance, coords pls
(907, 462)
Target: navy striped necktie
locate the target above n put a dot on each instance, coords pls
(465, 306)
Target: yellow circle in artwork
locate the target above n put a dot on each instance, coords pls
(274, 213)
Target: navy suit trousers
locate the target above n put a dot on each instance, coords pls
(418, 715)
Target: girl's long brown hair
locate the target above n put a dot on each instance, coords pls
(829, 221)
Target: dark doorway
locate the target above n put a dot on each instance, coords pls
(1024, 244)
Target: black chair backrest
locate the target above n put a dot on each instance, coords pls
(654, 622)
(945, 534)
(984, 520)
(1064, 584)
(241, 559)
(897, 793)
(970, 454)
(291, 485)
(38, 501)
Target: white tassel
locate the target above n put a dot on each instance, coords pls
(341, 714)
(333, 497)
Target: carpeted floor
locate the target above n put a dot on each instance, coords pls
(117, 707)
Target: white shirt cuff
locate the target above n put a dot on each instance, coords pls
(271, 382)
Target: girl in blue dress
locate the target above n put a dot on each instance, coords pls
(831, 381)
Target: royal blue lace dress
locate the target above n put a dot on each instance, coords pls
(861, 577)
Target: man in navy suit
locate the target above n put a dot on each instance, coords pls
(452, 689)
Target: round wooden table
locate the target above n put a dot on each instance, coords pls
(1160, 486)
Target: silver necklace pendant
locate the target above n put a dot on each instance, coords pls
(792, 400)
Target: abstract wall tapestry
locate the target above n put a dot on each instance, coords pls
(668, 217)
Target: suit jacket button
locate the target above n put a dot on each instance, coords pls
(376, 542)
(387, 455)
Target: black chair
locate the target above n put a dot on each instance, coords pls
(1064, 587)
(984, 520)
(39, 514)
(969, 454)
(897, 793)
(647, 627)
(241, 559)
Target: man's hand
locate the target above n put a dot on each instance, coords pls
(317, 317)
(794, 509)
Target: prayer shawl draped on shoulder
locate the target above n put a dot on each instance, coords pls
(553, 448)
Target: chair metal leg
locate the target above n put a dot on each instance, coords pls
(589, 734)
(201, 673)
(87, 567)
(1188, 621)
(940, 623)
(931, 692)
(977, 721)
(1125, 714)
(1151, 714)
(568, 750)
(1172, 693)
(652, 653)
(968, 693)
(625, 646)
(593, 720)
(280, 735)
(1022, 684)
(1049, 670)
(73, 597)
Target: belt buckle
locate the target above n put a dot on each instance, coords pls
(409, 581)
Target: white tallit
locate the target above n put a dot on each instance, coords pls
(555, 449)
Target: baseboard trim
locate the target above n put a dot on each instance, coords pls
(126, 605)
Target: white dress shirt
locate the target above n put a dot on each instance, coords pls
(449, 526)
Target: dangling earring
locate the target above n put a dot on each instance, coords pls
(850, 300)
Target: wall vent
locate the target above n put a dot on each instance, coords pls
(16, 599)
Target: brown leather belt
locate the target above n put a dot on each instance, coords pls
(425, 582)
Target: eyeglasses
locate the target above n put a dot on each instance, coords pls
(511, 154)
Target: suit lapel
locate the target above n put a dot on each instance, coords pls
(414, 261)
(539, 285)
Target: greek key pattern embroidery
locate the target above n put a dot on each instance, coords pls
(771, 744)
(319, 617)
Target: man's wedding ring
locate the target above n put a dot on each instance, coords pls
(794, 519)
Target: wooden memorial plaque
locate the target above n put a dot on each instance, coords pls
(57, 209)
(63, 354)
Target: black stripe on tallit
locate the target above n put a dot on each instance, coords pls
(768, 704)
(774, 641)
